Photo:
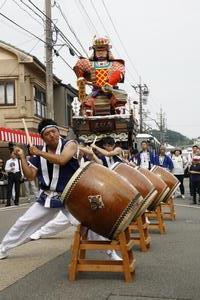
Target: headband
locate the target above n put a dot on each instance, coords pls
(48, 126)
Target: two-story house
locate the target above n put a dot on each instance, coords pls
(22, 95)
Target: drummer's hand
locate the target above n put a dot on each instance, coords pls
(93, 146)
(90, 151)
(19, 151)
(34, 150)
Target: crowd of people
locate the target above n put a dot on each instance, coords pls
(174, 162)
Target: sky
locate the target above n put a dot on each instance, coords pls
(158, 39)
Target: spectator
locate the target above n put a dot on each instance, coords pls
(145, 158)
(195, 150)
(180, 164)
(195, 177)
(163, 160)
(3, 181)
(13, 169)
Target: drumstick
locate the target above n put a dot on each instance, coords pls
(27, 133)
(94, 140)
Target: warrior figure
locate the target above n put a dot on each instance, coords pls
(102, 72)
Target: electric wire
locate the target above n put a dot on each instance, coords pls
(121, 42)
(27, 13)
(70, 27)
(2, 5)
(106, 31)
(85, 11)
(68, 42)
(21, 27)
(84, 18)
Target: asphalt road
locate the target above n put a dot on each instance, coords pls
(169, 270)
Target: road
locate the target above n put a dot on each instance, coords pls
(169, 270)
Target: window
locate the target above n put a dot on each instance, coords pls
(7, 92)
(40, 102)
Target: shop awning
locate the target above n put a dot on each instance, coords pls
(19, 136)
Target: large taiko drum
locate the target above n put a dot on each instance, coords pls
(140, 182)
(101, 200)
(171, 181)
(159, 184)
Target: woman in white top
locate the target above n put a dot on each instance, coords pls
(180, 164)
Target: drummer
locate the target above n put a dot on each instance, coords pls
(110, 154)
(53, 165)
(61, 221)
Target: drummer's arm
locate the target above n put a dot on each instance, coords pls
(69, 151)
(92, 155)
(116, 151)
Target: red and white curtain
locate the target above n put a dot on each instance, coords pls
(19, 136)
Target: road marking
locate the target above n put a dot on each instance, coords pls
(14, 207)
(187, 205)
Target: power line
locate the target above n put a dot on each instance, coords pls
(21, 27)
(69, 44)
(76, 2)
(2, 5)
(27, 12)
(106, 31)
(70, 27)
(28, 6)
(38, 38)
(95, 29)
(122, 44)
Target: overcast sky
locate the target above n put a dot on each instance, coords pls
(161, 38)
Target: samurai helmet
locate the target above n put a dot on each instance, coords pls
(102, 43)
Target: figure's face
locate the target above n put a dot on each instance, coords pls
(101, 54)
(177, 152)
(194, 149)
(51, 136)
(13, 155)
(144, 146)
(197, 151)
(162, 151)
(108, 147)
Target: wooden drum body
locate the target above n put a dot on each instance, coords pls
(159, 184)
(101, 200)
(140, 182)
(171, 181)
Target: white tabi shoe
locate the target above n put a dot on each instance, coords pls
(113, 255)
(3, 253)
(35, 236)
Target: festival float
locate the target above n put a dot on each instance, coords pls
(102, 111)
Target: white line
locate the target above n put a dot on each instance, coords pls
(14, 207)
(186, 205)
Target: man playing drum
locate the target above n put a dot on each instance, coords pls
(110, 153)
(53, 165)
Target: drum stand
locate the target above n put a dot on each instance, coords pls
(171, 213)
(80, 245)
(141, 226)
(158, 217)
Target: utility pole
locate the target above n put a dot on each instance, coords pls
(162, 125)
(143, 92)
(49, 60)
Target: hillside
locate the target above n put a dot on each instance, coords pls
(172, 137)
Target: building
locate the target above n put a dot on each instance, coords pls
(22, 95)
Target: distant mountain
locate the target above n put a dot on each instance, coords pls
(173, 137)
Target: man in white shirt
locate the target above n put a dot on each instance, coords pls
(146, 158)
(12, 168)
